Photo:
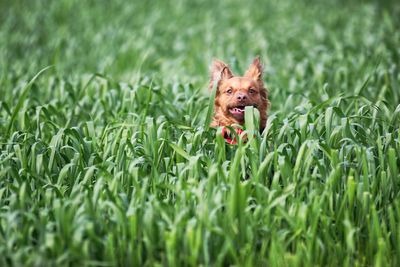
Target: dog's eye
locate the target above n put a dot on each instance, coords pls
(229, 91)
(252, 91)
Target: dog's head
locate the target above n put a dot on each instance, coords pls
(234, 93)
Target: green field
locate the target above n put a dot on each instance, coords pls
(107, 159)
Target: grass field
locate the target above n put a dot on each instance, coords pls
(106, 157)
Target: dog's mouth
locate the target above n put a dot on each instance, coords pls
(238, 111)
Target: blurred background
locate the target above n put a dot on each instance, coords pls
(176, 40)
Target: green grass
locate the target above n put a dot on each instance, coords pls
(106, 157)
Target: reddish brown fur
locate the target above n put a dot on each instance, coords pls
(245, 90)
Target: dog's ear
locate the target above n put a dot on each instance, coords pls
(255, 70)
(219, 71)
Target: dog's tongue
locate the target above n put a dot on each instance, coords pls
(237, 111)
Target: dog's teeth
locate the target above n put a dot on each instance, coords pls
(237, 110)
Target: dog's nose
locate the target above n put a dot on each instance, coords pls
(241, 97)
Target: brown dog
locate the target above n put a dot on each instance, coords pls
(234, 93)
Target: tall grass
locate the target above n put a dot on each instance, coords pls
(106, 158)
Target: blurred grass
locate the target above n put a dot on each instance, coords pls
(105, 159)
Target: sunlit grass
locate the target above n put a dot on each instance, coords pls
(107, 158)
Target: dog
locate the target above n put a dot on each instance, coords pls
(234, 93)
